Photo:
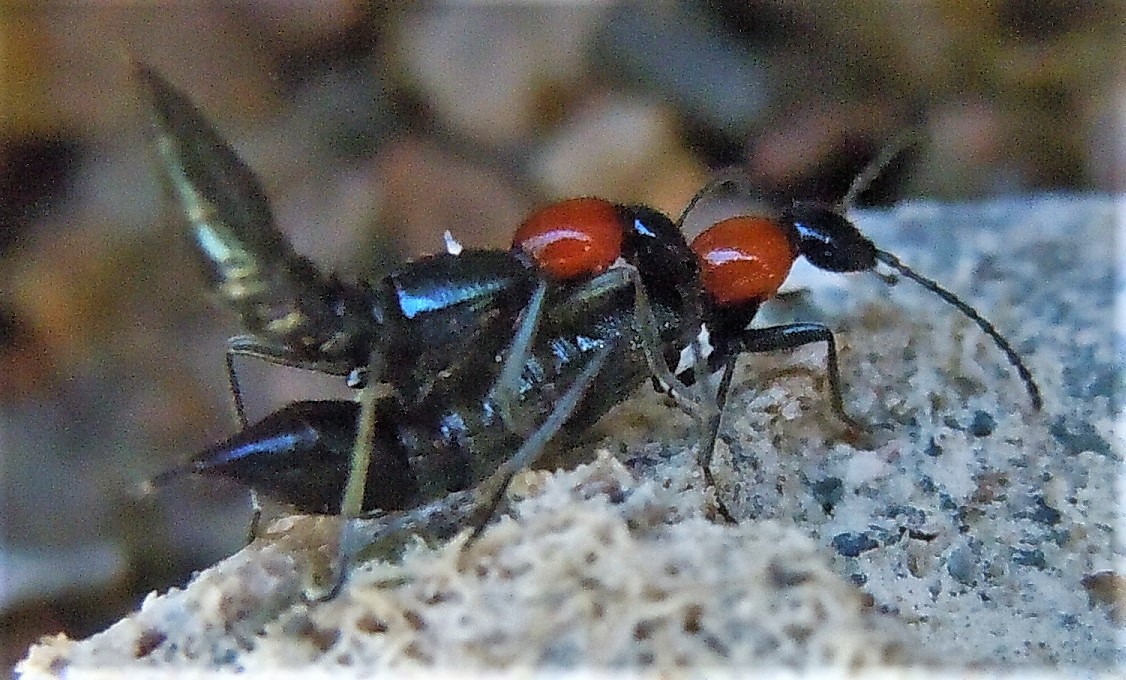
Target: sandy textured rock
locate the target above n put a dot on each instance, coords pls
(595, 569)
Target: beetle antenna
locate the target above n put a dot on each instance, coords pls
(891, 150)
(730, 178)
(1014, 358)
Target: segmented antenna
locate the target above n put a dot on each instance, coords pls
(725, 178)
(1014, 359)
(896, 146)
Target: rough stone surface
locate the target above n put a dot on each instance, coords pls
(965, 528)
(595, 569)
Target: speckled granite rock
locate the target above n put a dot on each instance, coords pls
(976, 520)
(971, 530)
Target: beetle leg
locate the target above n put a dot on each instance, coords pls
(504, 389)
(701, 408)
(770, 339)
(790, 336)
(490, 492)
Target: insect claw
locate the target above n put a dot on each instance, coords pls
(856, 426)
(890, 278)
(491, 494)
(252, 530)
(351, 544)
(718, 504)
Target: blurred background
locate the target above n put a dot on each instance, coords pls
(374, 130)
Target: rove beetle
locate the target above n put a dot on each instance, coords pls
(406, 330)
(556, 288)
(743, 259)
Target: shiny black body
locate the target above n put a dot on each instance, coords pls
(453, 437)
